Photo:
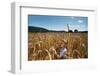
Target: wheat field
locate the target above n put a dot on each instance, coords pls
(47, 45)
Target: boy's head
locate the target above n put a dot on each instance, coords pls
(63, 43)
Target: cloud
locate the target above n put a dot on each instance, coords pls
(75, 27)
(72, 17)
(78, 27)
(80, 21)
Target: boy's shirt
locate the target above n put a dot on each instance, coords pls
(63, 52)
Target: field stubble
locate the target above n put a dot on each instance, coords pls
(47, 45)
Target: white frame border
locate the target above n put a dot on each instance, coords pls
(16, 32)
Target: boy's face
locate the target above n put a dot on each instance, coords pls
(62, 45)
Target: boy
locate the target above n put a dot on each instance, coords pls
(63, 50)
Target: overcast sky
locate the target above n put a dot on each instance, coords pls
(59, 22)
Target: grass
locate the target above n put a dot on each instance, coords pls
(47, 45)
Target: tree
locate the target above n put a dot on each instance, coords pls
(70, 31)
(75, 30)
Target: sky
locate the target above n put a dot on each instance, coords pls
(58, 23)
